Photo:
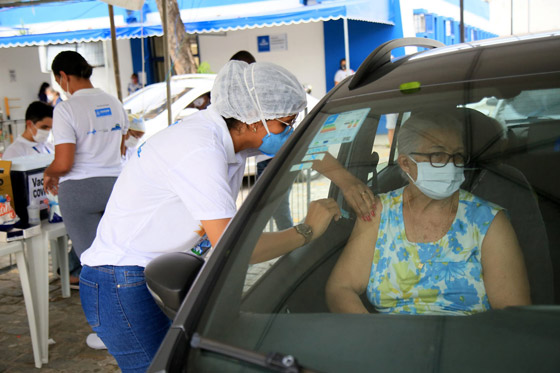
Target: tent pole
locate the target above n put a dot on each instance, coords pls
(346, 43)
(115, 55)
(144, 79)
(166, 61)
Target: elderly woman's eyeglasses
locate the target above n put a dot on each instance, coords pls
(440, 159)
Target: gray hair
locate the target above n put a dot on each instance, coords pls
(420, 125)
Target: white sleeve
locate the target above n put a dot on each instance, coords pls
(201, 181)
(63, 129)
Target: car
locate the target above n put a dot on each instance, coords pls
(149, 103)
(229, 315)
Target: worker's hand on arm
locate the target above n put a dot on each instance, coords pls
(320, 214)
(272, 245)
(356, 193)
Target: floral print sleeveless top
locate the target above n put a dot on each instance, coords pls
(442, 277)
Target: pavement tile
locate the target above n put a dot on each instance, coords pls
(67, 327)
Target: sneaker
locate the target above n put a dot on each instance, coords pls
(74, 282)
(93, 341)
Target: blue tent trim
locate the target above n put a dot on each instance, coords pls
(321, 12)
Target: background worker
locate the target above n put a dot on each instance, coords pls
(34, 140)
(132, 138)
(343, 72)
(88, 129)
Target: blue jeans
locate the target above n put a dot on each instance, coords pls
(122, 312)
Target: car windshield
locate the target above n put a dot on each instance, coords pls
(510, 142)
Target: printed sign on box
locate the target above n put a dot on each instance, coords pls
(36, 191)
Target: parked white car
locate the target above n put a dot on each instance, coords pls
(150, 103)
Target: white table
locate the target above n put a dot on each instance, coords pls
(17, 248)
(55, 235)
(37, 248)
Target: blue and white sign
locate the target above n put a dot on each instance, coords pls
(263, 43)
(272, 43)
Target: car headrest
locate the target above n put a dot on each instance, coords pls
(485, 137)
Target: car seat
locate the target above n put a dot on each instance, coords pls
(487, 177)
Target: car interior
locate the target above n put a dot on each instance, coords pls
(511, 165)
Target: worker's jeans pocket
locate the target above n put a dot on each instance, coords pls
(89, 296)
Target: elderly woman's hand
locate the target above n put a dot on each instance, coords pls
(320, 214)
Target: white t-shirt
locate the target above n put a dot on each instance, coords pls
(342, 74)
(184, 174)
(22, 147)
(95, 121)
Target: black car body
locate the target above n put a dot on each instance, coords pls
(508, 91)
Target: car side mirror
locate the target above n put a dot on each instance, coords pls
(169, 278)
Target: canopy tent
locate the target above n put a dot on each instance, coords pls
(86, 21)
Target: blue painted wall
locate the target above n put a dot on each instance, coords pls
(479, 7)
(436, 29)
(364, 37)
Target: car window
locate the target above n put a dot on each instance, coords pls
(152, 100)
(512, 140)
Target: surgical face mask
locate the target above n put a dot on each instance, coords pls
(343, 67)
(272, 142)
(41, 135)
(438, 182)
(131, 142)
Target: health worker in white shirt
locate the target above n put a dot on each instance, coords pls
(178, 193)
(88, 130)
(35, 139)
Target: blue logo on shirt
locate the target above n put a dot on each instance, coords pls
(116, 128)
(103, 112)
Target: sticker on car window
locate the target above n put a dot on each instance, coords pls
(313, 157)
(340, 128)
(320, 149)
(301, 166)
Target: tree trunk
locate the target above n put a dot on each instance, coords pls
(177, 38)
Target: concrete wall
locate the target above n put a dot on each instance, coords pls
(304, 57)
(529, 16)
(28, 78)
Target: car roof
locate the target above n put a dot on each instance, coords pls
(488, 59)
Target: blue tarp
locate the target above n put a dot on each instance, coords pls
(373, 11)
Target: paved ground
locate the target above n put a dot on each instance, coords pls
(68, 328)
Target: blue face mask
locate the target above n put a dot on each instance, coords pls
(272, 142)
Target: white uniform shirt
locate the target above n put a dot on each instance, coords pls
(184, 174)
(22, 147)
(342, 74)
(95, 121)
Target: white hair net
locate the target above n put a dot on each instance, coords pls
(256, 92)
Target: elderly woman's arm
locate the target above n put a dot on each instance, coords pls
(505, 276)
(350, 275)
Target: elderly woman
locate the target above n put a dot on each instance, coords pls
(431, 247)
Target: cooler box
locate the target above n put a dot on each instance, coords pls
(27, 185)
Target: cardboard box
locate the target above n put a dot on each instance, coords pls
(19, 234)
(6, 180)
